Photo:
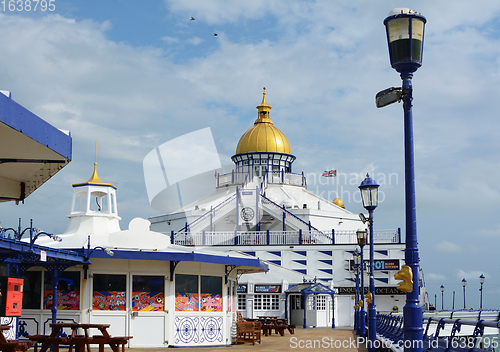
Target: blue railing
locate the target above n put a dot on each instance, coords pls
(441, 333)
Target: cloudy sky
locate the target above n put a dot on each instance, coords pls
(132, 75)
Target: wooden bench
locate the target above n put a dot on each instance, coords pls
(239, 317)
(12, 345)
(248, 331)
(119, 341)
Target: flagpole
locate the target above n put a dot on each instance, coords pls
(337, 184)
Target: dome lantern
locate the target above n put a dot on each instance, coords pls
(263, 147)
(263, 136)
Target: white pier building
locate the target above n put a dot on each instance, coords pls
(264, 209)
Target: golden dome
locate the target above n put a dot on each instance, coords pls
(263, 136)
(338, 202)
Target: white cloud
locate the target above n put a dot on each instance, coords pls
(494, 231)
(435, 277)
(170, 40)
(196, 40)
(470, 275)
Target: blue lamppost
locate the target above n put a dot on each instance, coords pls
(464, 283)
(369, 195)
(361, 234)
(481, 281)
(442, 297)
(357, 260)
(405, 37)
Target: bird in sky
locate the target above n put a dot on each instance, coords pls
(192, 18)
(215, 34)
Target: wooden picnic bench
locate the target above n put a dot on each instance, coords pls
(248, 331)
(79, 341)
(279, 326)
(12, 345)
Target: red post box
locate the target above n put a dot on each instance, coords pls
(11, 296)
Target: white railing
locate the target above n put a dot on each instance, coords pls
(247, 238)
(239, 178)
(379, 236)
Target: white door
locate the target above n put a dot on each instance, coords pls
(311, 314)
(321, 311)
(344, 311)
(147, 315)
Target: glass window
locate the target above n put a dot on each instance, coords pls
(148, 293)
(321, 302)
(211, 293)
(32, 289)
(257, 302)
(186, 293)
(311, 302)
(275, 302)
(266, 302)
(109, 292)
(242, 302)
(68, 291)
(297, 302)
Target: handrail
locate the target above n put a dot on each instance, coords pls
(389, 331)
(215, 209)
(308, 224)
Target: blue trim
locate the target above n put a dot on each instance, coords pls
(182, 257)
(328, 262)
(250, 253)
(302, 271)
(301, 262)
(93, 184)
(383, 252)
(277, 262)
(9, 246)
(326, 279)
(329, 253)
(278, 253)
(21, 119)
(283, 156)
(303, 253)
(327, 271)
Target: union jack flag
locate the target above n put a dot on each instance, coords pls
(331, 173)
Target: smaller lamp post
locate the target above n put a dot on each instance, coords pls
(361, 234)
(442, 297)
(464, 283)
(369, 195)
(357, 260)
(481, 281)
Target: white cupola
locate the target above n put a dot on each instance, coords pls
(93, 213)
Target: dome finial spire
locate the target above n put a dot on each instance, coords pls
(94, 177)
(264, 102)
(264, 110)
